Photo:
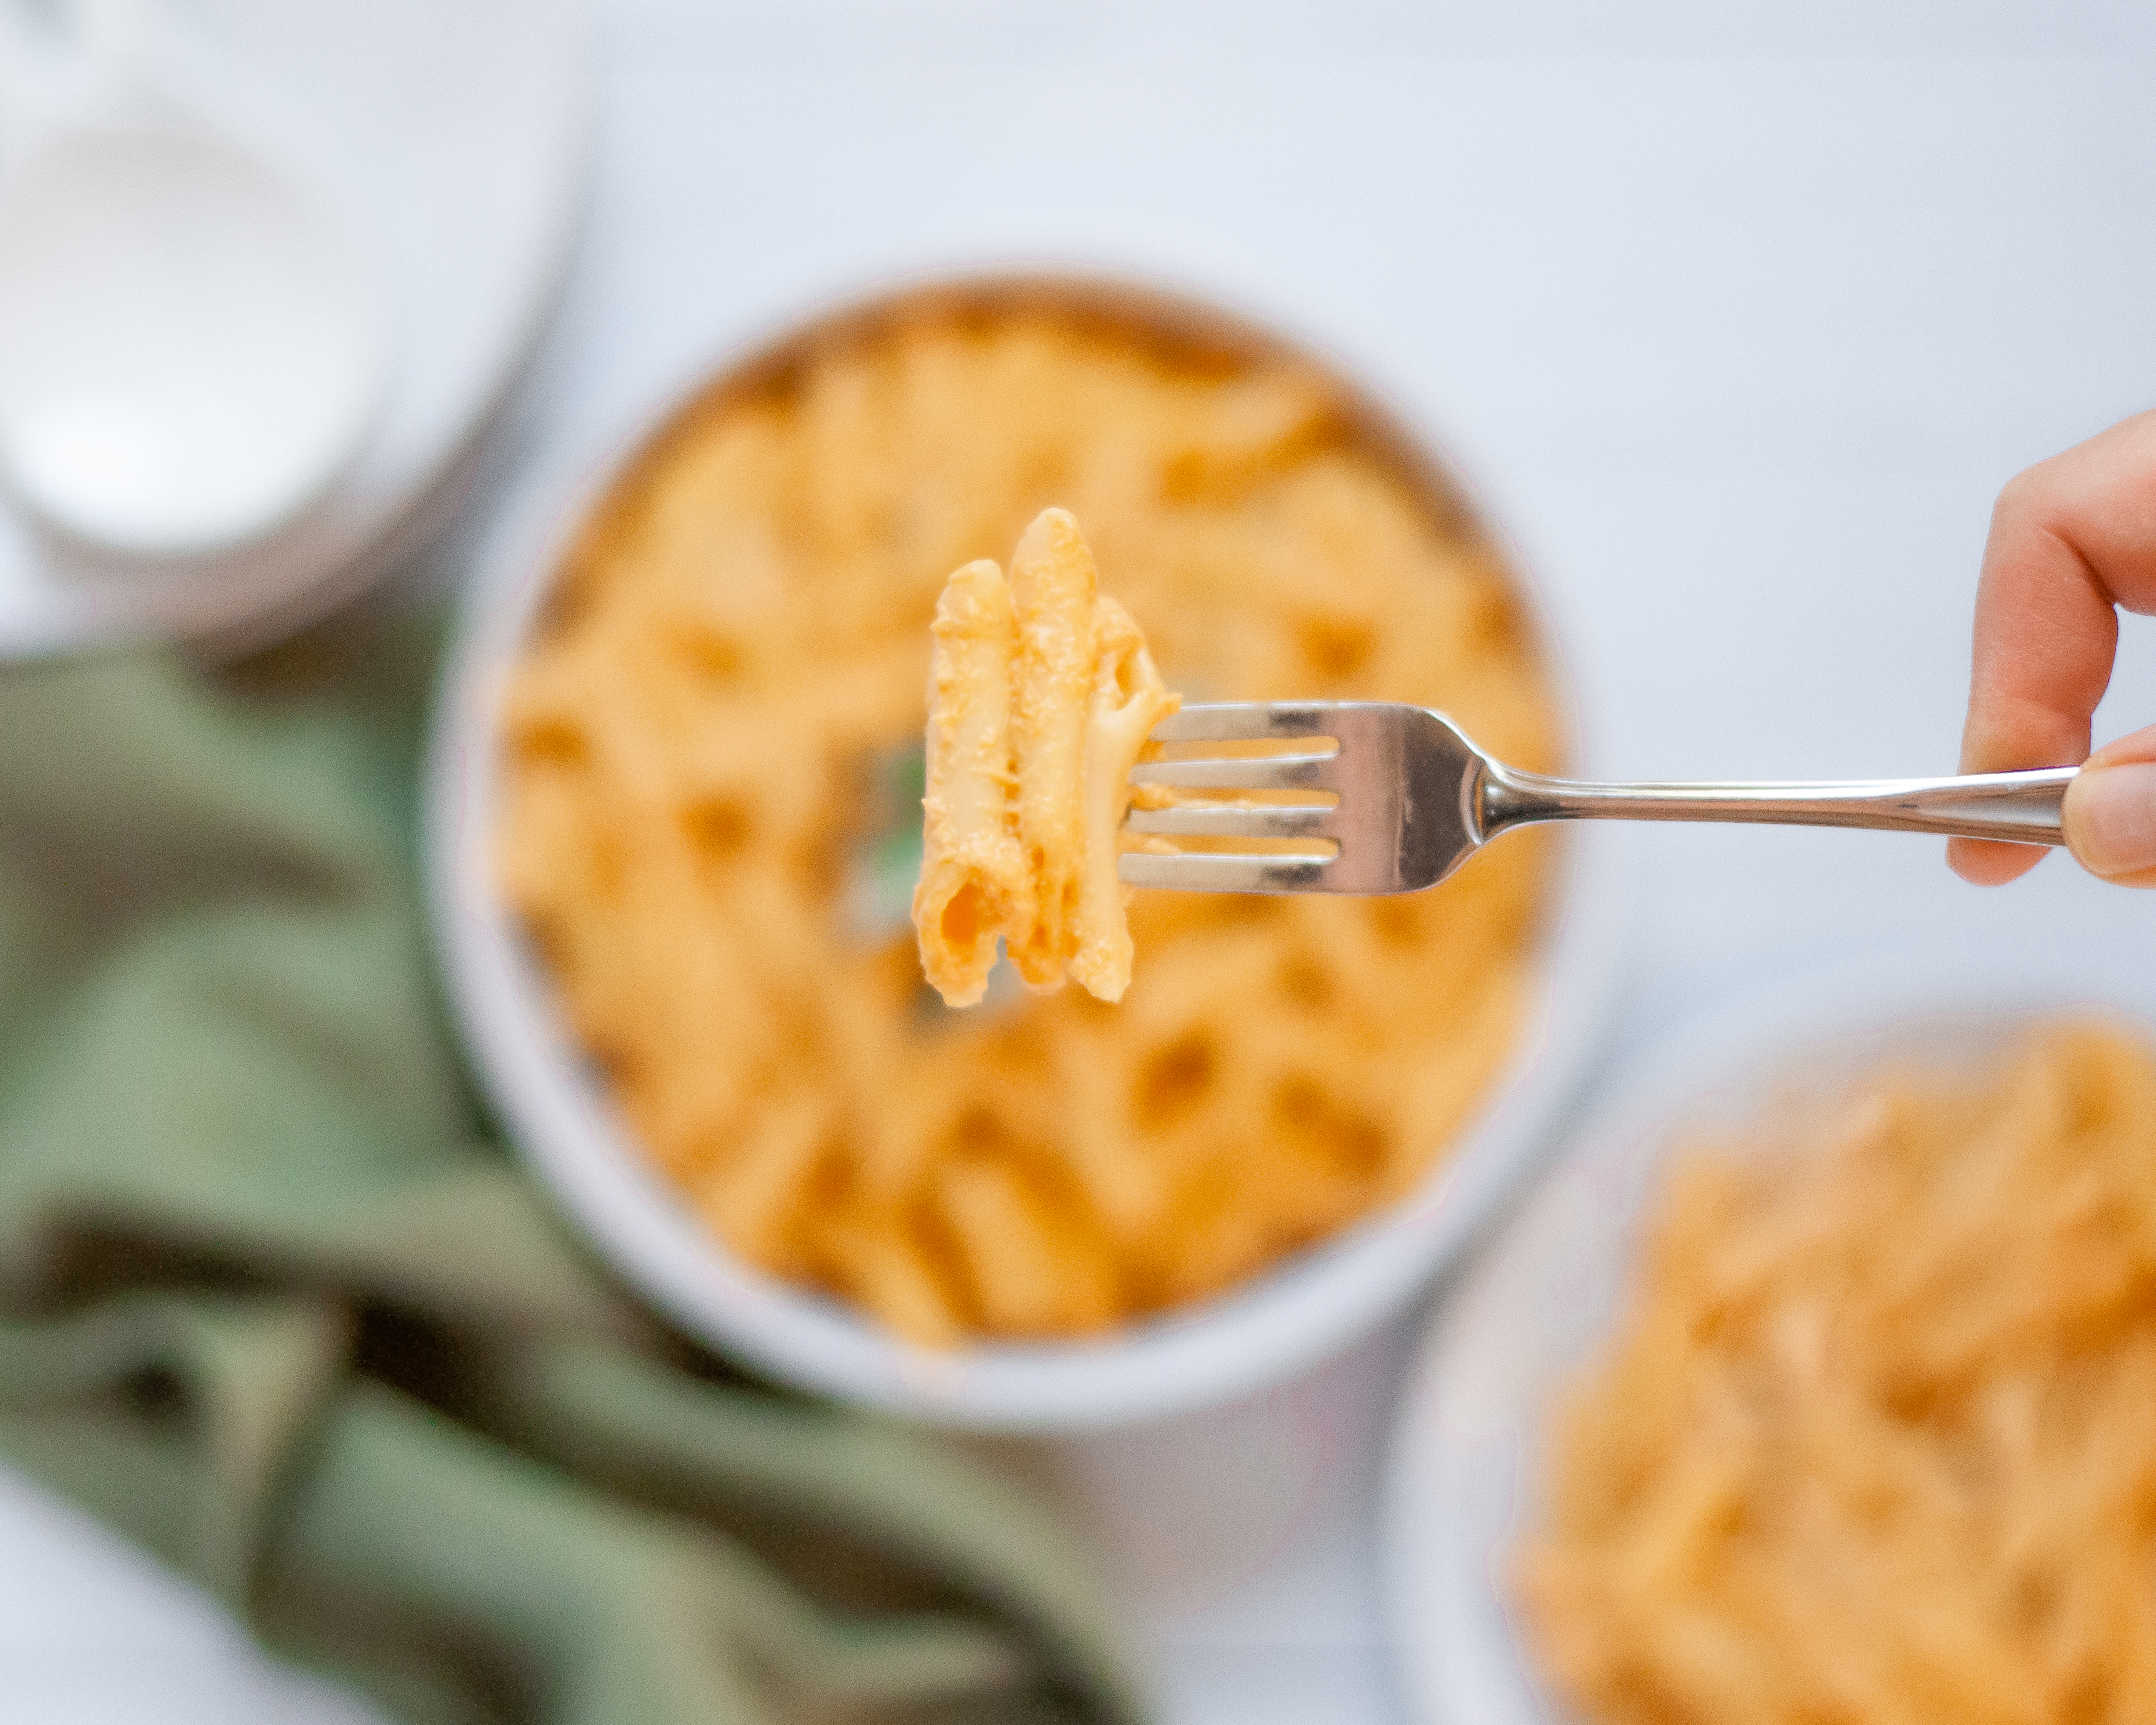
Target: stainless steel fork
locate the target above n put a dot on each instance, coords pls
(1416, 798)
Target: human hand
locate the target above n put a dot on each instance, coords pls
(2071, 539)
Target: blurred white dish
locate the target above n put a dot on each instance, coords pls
(456, 138)
(191, 336)
(558, 1114)
(1532, 1305)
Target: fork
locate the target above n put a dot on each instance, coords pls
(1416, 798)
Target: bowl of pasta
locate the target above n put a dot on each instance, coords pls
(1812, 1382)
(676, 825)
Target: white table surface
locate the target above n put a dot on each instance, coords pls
(1738, 349)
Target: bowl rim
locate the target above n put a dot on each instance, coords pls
(558, 1119)
(1454, 1483)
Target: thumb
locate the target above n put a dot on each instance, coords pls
(2110, 813)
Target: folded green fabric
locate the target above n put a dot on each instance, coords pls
(272, 1304)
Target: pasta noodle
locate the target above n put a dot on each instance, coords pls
(974, 884)
(1037, 708)
(697, 735)
(1875, 1443)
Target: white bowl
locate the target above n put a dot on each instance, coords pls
(1535, 1302)
(559, 1115)
(460, 136)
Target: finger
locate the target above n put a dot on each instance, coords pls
(1988, 862)
(2070, 539)
(2045, 635)
(2110, 815)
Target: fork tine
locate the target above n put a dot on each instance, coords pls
(1237, 820)
(1192, 873)
(1262, 772)
(1237, 721)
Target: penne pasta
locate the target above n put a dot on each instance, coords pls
(1126, 700)
(973, 883)
(702, 744)
(1054, 591)
(1029, 851)
(1874, 1442)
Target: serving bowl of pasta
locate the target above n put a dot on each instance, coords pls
(1812, 1382)
(675, 816)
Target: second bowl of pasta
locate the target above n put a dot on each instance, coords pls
(1808, 1384)
(676, 815)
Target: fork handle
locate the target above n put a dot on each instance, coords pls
(2022, 808)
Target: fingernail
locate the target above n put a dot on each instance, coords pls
(2111, 818)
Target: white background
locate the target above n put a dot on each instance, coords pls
(1735, 332)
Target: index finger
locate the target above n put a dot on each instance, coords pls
(2070, 539)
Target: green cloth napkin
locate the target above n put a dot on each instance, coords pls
(274, 1305)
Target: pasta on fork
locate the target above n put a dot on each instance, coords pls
(1041, 695)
